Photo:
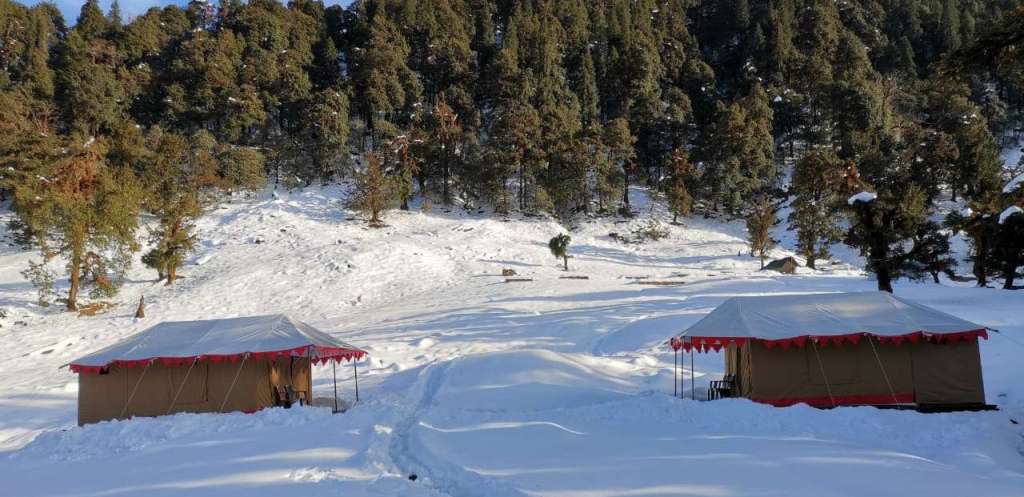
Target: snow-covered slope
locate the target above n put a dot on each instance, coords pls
(552, 387)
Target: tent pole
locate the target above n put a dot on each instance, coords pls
(675, 373)
(334, 373)
(693, 390)
(355, 371)
(235, 380)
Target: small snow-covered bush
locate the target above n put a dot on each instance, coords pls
(652, 230)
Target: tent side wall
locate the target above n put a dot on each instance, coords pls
(948, 373)
(919, 373)
(103, 396)
(852, 372)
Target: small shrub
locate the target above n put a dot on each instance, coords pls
(42, 278)
(651, 230)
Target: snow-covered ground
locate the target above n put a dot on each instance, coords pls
(553, 387)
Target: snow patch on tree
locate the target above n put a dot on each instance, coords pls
(1011, 210)
(1014, 184)
(862, 197)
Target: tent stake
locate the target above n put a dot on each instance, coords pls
(334, 373)
(355, 371)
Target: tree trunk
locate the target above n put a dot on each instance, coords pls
(565, 258)
(522, 187)
(884, 277)
(172, 274)
(625, 189)
(935, 276)
(1010, 271)
(446, 174)
(76, 276)
(981, 260)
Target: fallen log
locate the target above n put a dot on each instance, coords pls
(517, 280)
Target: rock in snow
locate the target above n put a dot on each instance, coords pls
(862, 197)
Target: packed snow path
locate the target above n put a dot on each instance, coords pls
(554, 387)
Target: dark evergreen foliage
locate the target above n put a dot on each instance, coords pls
(554, 106)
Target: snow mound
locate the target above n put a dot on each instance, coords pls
(645, 333)
(118, 437)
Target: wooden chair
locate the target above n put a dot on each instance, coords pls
(724, 388)
(286, 395)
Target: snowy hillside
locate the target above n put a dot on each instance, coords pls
(552, 387)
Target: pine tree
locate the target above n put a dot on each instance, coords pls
(950, 25)
(742, 160)
(115, 15)
(816, 205)
(91, 99)
(329, 124)
(91, 23)
(889, 231)
(408, 167)
(182, 176)
(608, 177)
(684, 175)
(1010, 246)
(447, 130)
(932, 253)
(619, 142)
(760, 221)
(374, 190)
(81, 209)
(385, 87)
(978, 222)
(559, 246)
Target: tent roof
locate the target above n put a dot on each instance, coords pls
(220, 339)
(788, 317)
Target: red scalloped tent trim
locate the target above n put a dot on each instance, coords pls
(706, 344)
(317, 354)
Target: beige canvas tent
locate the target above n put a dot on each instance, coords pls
(220, 365)
(830, 350)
